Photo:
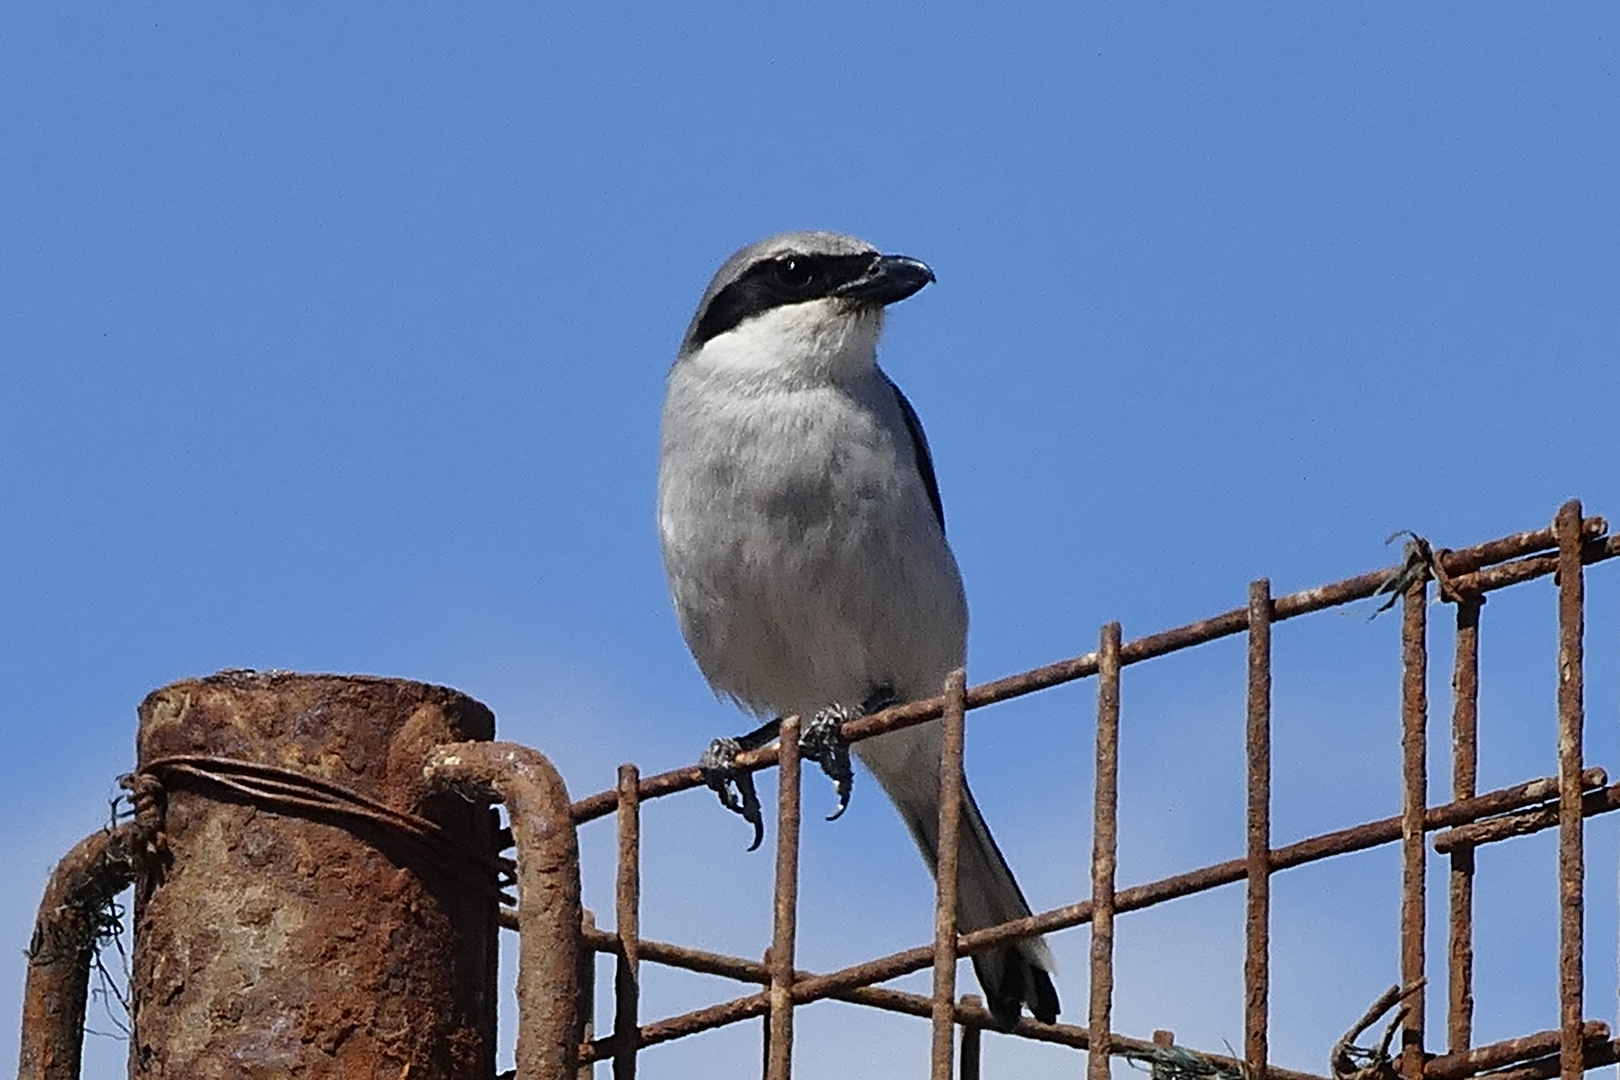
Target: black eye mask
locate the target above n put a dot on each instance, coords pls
(770, 283)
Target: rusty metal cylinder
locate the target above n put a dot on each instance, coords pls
(276, 938)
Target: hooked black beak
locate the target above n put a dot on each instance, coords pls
(890, 278)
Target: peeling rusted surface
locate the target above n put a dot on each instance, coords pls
(65, 934)
(276, 944)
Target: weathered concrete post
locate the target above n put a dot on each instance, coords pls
(293, 928)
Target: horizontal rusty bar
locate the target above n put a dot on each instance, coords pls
(1459, 565)
(1593, 803)
(1515, 573)
(1598, 1054)
(1507, 1052)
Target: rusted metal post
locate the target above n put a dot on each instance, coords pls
(550, 1024)
(297, 926)
(1464, 782)
(1256, 962)
(1415, 779)
(1104, 851)
(65, 934)
(1571, 724)
(779, 1060)
(627, 915)
(972, 1041)
(953, 737)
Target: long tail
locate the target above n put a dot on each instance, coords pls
(987, 892)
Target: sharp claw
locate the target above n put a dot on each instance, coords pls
(722, 775)
(844, 787)
(750, 808)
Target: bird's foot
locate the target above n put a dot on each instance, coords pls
(720, 772)
(822, 741)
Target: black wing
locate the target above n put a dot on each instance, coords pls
(919, 447)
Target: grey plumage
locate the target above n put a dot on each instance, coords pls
(804, 539)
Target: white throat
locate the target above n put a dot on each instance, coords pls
(814, 342)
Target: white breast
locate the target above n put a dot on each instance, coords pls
(803, 555)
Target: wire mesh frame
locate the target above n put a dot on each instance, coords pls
(1471, 819)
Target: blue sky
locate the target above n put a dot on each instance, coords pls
(333, 339)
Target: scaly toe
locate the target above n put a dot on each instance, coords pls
(823, 741)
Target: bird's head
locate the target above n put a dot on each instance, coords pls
(806, 304)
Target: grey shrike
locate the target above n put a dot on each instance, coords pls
(804, 542)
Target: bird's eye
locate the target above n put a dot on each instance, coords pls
(794, 273)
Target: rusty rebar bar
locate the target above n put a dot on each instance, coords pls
(1464, 780)
(1257, 925)
(972, 1042)
(1602, 800)
(1458, 564)
(1104, 851)
(1598, 1054)
(1593, 550)
(1571, 822)
(1510, 1052)
(70, 923)
(1415, 797)
(779, 1061)
(551, 918)
(627, 920)
(587, 989)
(953, 736)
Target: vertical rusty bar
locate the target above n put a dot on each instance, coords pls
(779, 1061)
(972, 1041)
(1464, 783)
(1256, 962)
(953, 724)
(1415, 779)
(1571, 721)
(627, 917)
(1104, 851)
(765, 1026)
(99, 867)
(550, 915)
(587, 994)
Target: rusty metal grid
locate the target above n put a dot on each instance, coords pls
(558, 941)
(1462, 578)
